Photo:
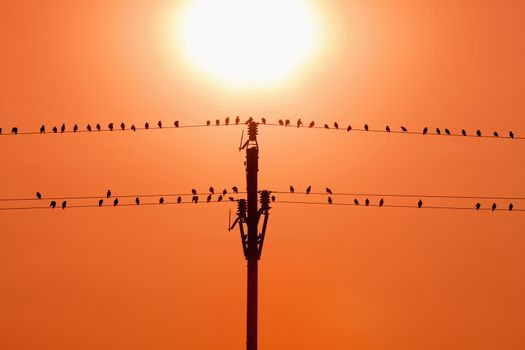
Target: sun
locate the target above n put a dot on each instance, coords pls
(248, 42)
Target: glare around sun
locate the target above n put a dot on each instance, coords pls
(248, 42)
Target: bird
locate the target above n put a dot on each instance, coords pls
(115, 202)
(195, 199)
(287, 122)
(38, 195)
(98, 127)
(179, 199)
(217, 122)
(356, 202)
(63, 128)
(463, 132)
(75, 128)
(249, 120)
(161, 200)
(108, 194)
(64, 203)
(43, 129)
(55, 130)
(231, 199)
(330, 200)
(237, 120)
(53, 204)
(511, 134)
(273, 198)
(227, 121)
(176, 123)
(511, 206)
(438, 131)
(160, 124)
(336, 125)
(0, 130)
(208, 123)
(349, 128)
(235, 189)
(308, 189)
(212, 190)
(326, 126)
(110, 126)
(146, 126)
(100, 202)
(329, 191)
(137, 200)
(381, 202)
(493, 206)
(219, 198)
(224, 192)
(263, 120)
(122, 126)
(292, 189)
(420, 203)
(425, 130)
(193, 191)
(312, 124)
(209, 198)
(404, 129)
(367, 202)
(299, 123)
(478, 133)
(133, 127)
(496, 134)
(88, 127)
(366, 127)
(478, 205)
(447, 131)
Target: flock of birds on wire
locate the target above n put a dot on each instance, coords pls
(222, 196)
(237, 120)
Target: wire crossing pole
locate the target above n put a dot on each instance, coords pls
(252, 242)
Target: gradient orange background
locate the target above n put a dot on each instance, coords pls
(330, 277)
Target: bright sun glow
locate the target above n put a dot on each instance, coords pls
(248, 42)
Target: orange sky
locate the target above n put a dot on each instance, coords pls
(330, 277)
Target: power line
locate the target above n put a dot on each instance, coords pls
(357, 194)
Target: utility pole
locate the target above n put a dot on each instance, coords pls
(252, 243)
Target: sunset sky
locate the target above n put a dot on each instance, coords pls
(330, 277)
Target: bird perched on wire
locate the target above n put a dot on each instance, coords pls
(273, 198)
(478, 205)
(292, 189)
(108, 194)
(237, 120)
(231, 199)
(438, 131)
(137, 200)
(447, 131)
(208, 123)
(329, 191)
(146, 125)
(55, 129)
(43, 129)
(281, 123)
(478, 132)
(53, 204)
(356, 202)
(195, 199)
(404, 129)
(133, 127)
(330, 200)
(425, 130)
(366, 127)
(496, 134)
(217, 122)
(387, 128)
(38, 195)
(287, 122)
(367, 202)
(193, 191)
(115, 202)
(463, 132)
(336, 125)
(420, 203)
(160, 124)
(224, 192)
(235, 189)
(208, 199)
(63, 128)
(493, 206)
(249, 120)
(88, 127)
(326, 126)
(123, 126)
(381, 202)
(176, 123)
(100, 202)
(349, 128)
(0, 130)
(219, 199)
(308, 189)
(179, 199)
(312, 124)
(75, 128)
(299, 123)
(227, 121)
(212, 191)
(511, 206)
(98, 127)
(110, 126)
(64, 204)
(263, 120)
(161, 200)
(511, 134)
(14, 130)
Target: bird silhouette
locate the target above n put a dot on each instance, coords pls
(237, 120)
(273, 198)
(64, 204)
(366, 127)
(179, 199)
(38, 195)
(227, 121)
(438, 131)
(235, 189)
(511, 134)
(0, 130)
(43, 129)
(478, 133)
(511, 206)
(330, 200)
(209, 198)
(231, 199)
(496, 134)
(447, 131)
(98, 127)
(63, 128)
(208, 123)
(336, 125)
(219, 199)
(478, 205)
(53, 204)
(100, 202)
(212, 191)
(160, 124)
(108, 194)
(387, 128)
(356, 202)
(349, 128)
(161, 200)
(425, 130)
(193, 191)
(14, 130)
(88, 127)
(420, 203)
(312, 124)
(329, 191)
(224, 192)
(326, 126)
(287, 122)
(367, 202)
(137, 200)
(292, 189)
(176, 123)
(493, 206)
(381, 202)
(263, 120)
(133, 127)
(463, 132)
(115, 202)
(308, 189)
(55, 129)
(299, 123)
(110, 126)
(217, 122)
(123, 126)
(195, 199)
(146, 125)
(75, 128)
(404, 129)
(249, 120)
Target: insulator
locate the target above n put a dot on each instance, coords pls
(241, 208)
(265, 200)
(252, 131)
